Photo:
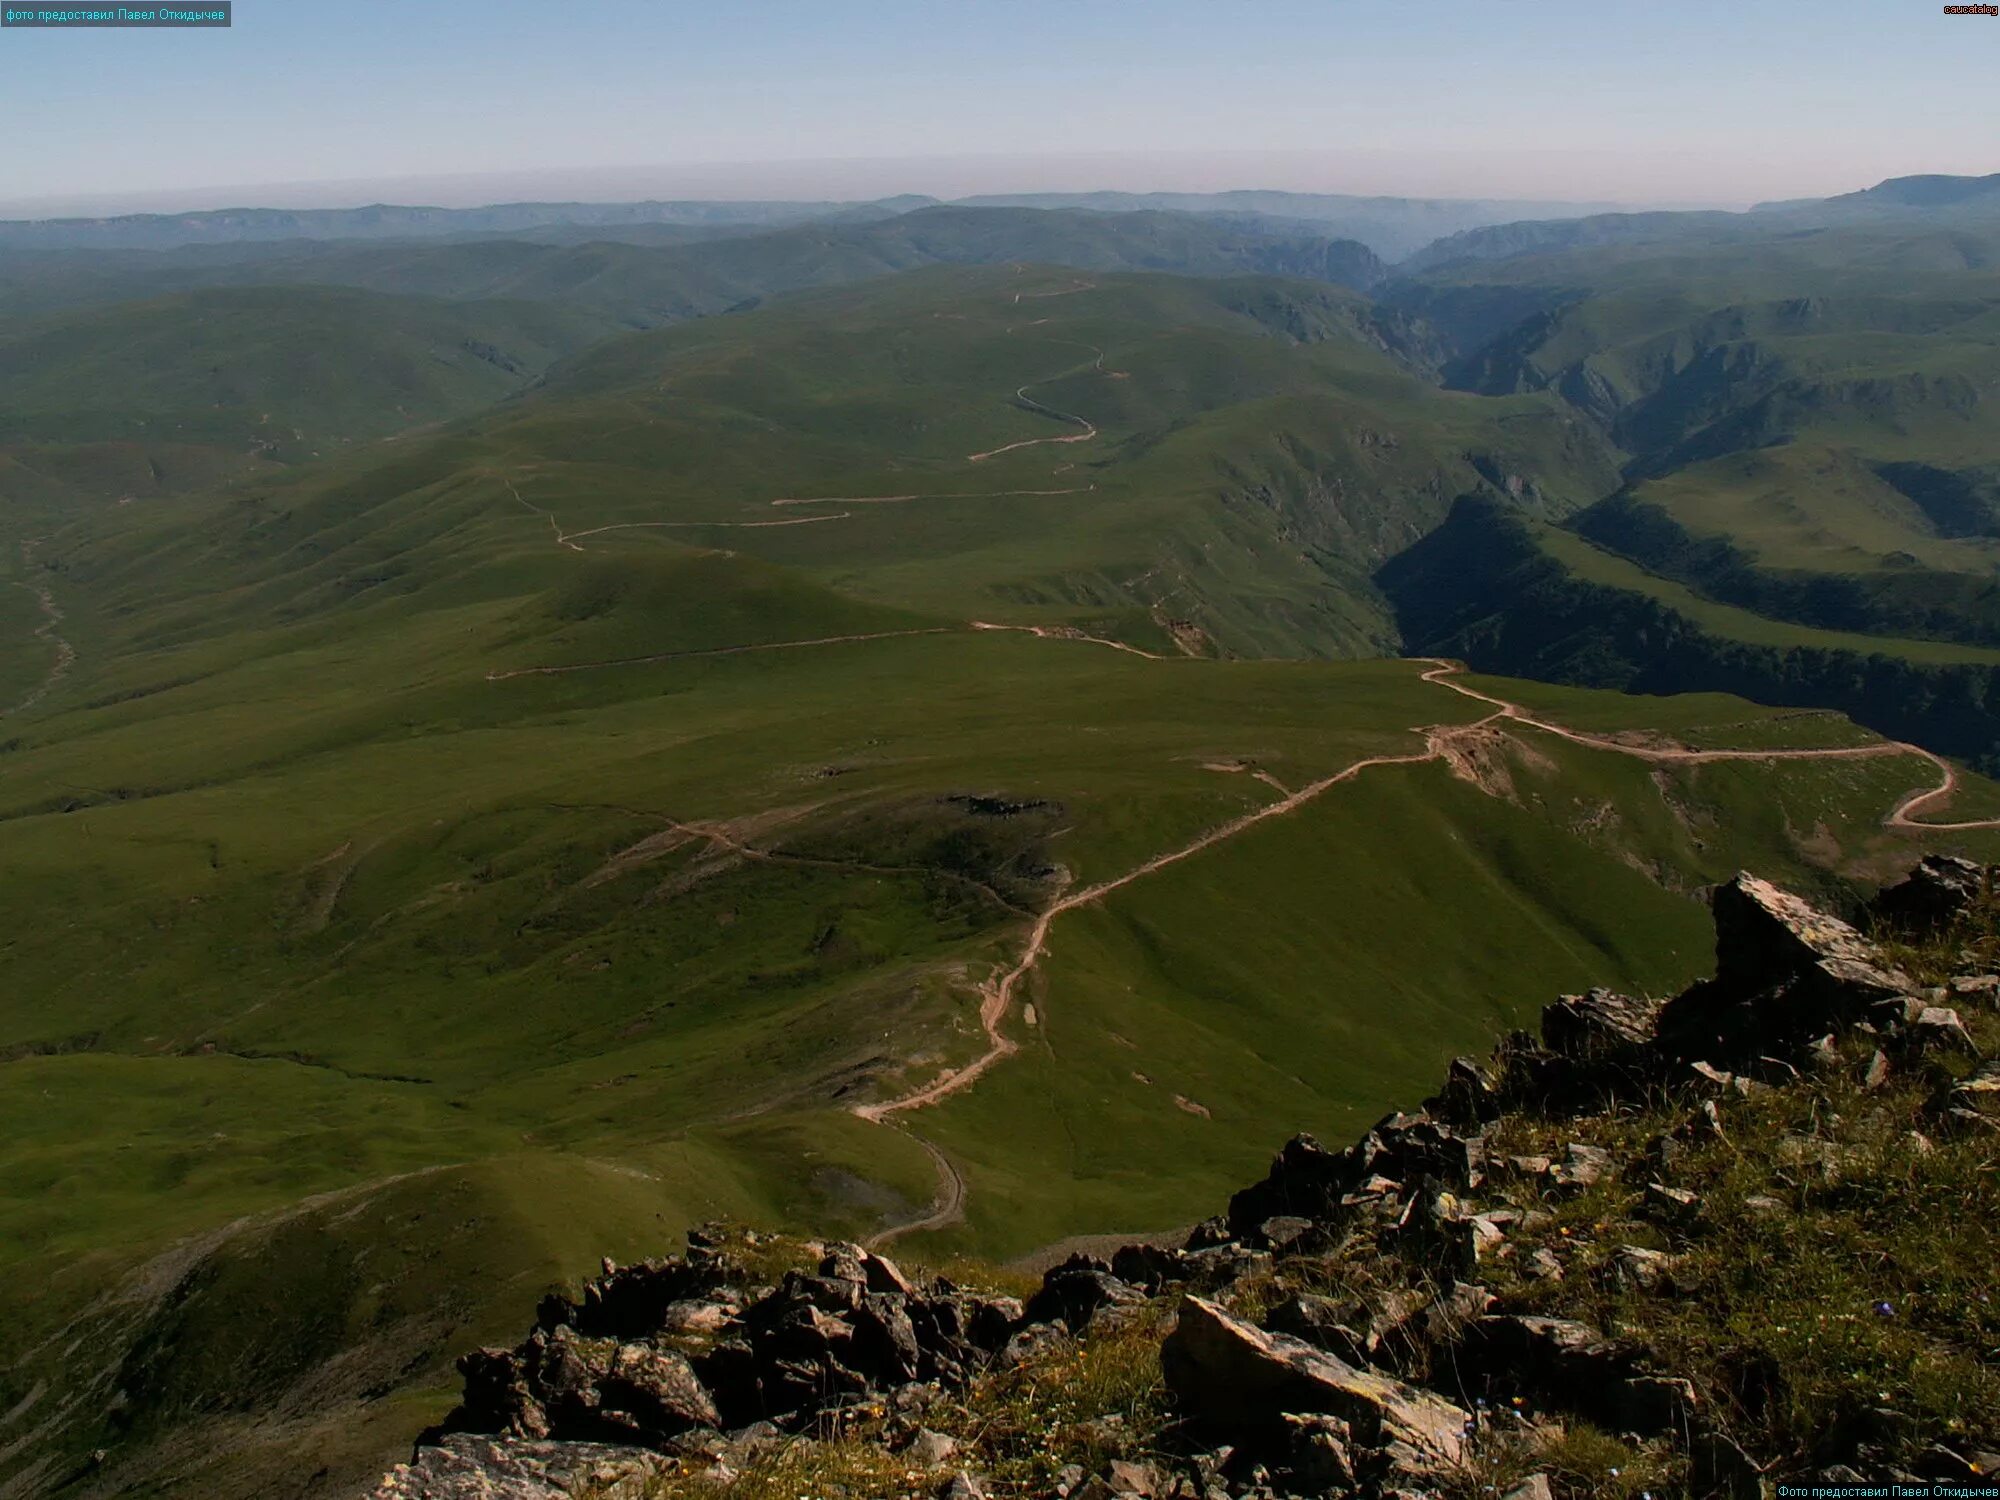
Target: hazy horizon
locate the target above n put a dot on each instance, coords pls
(803, 180)
(306, 106)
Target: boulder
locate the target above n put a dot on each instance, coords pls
(1979, 1095)
(1551, 1357)
(1035, 1341)
(469, 1466)
(1228, 1373)
(990, 1321)
(1640, 1269)
(1582, 1166)
(1534, 1487)
(1318, 1452)
(1936, 892)
(1938, 1028)
(1785, 973)
(1073, 1292)
(1321, 1322)
(1140, 1480)
(930, 1449)
(1468, 1098)
(1603, 1028)
(655, 1393)
(885, 1340)
(880, 1274)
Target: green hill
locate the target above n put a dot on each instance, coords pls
(288, 371)
(544, 831)
(645, 284)
(1802, 419)
(1121, 453)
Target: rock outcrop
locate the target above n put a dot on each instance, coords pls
(1383, 1390)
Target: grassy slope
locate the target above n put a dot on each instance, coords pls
(1237, 469)
(1731, 623)
(310, 901)
(617, 274)
(1767, 388)
(286, 370)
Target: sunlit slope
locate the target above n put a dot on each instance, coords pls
(633, 939)
(632, 274)
(1514, 595)
(1809, 452)
(543, 806)
(1123, 452)
(289, 371)
(134, 401)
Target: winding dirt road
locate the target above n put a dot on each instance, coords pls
(640, 661)
(947, 1206)
(997, 994)
(52, 618)
(570, 540)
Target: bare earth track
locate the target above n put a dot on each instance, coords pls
(997, 994)
(65, 653)
(1440, 741)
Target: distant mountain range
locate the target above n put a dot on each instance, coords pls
(1391, 227)
(1420, 232)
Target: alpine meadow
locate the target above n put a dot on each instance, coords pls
(783, 793)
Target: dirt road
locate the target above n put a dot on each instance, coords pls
(997, 994)
(52, 618)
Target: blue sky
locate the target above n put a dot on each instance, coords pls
(1617, 100)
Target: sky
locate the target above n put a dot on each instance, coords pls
(463, 101)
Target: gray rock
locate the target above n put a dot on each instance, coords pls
(1224, 1370)
(1285, 1231)
(1601, 1026)
(1980, 1094)
(1321, 1322)
(1642, 1270)
(1671, 1205)
(1938, 1028)
(881, 1274)
(1318, 1452)
(468, 1466)
(1581, 1167)
(1786, 972)
(1534, 1487)
(1939, 889)
(1126, 1478)
(930, 1449)
(1983, 988)
(1036, 1341)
